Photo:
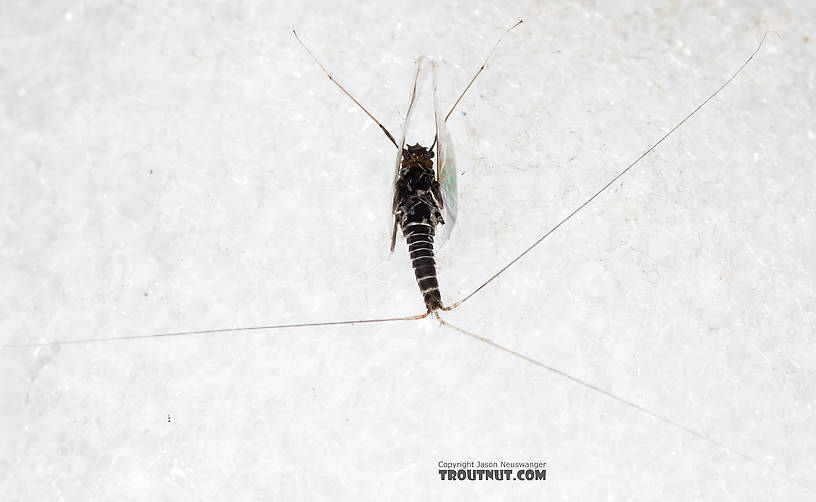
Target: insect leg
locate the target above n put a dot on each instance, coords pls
(481, 68)
(390, 137)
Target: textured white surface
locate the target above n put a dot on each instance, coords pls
(171, 166)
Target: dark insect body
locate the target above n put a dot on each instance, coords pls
(418, 209)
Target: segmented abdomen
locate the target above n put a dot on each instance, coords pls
(420, 238)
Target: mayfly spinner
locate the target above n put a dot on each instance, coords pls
(424, 194)
(424, 197)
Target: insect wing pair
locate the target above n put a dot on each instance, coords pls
(445, 160)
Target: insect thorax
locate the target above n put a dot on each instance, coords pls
(418, 197)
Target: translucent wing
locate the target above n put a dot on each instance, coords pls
(445, 169)
(445, 165)
(401, 142)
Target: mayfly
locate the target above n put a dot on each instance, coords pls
(424, 197)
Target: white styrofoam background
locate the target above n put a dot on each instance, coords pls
(178, 166)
